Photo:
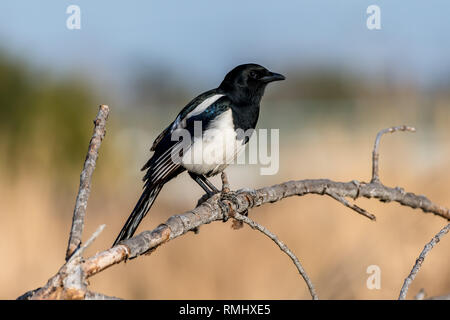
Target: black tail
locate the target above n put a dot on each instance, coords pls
(140, 210)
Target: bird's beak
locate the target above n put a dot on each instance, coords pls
(272, 76)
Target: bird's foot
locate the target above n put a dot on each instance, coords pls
(225, 183)
(225, 194)
(226, 199)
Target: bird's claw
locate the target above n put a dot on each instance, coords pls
(230, 197)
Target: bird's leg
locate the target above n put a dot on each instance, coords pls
(209, 184)
(204, 183)
(229, 195)
(225, 183)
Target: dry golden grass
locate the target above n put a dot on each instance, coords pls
(334, 244)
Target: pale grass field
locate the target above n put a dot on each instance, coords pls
(334, 244)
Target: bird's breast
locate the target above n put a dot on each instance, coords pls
(245, 117)
(212, 151)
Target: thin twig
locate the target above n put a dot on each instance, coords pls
(94, 236)
(420, 260)
(210, 210)
(375, 154)
(283, 247)
(85, 181)
(70, 280)
(352, 206)
(226, 192)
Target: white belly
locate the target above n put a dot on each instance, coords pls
(218, 147)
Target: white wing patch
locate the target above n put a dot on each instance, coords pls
(205, 104)
(181, 123)
(216, 149)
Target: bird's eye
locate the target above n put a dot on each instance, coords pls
(253, 74)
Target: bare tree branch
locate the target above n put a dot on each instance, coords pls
(352, 206)
(98, 296)
(94, 236)
(214, 209)
(375, 154)
(71, 280)
(69, 283)
(85, 181)
(283, 247)
(420, 260)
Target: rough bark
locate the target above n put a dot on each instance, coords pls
(85, 181)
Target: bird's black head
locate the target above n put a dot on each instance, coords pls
(246, 83)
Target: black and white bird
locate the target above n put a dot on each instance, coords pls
(221, 112)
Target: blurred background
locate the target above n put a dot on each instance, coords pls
(146, 60)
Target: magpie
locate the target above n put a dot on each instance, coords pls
(217, 114)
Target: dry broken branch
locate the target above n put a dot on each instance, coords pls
(215, 208)
(375, 153)
(69, 283)
(85, 181)
(212, 210)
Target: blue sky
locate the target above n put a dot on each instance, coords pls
(202, 39)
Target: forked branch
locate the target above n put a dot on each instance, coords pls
(216, 208)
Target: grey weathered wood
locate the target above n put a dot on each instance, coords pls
(71, 280)
(412, 275)
(375, 153)
(214, 209)
(85, 181)
(283, 247)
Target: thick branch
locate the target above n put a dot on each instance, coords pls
(85, 181)
(214, 209)
(353, 206)
(420, 260)
(70, 282)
